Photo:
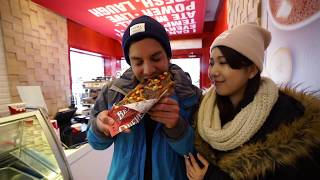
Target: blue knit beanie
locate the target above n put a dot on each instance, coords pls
(145, 27)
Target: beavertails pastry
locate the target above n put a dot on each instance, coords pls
(130, 110)
(149, 89)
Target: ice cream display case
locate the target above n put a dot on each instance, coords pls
(29, 148)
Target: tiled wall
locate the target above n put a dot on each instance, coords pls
(241, 11)
(4, 83)
(36, 51)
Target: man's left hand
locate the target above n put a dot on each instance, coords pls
(166, 111)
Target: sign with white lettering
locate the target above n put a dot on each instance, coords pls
(178, 16)
(111, 17)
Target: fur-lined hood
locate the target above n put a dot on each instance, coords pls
(281, 147)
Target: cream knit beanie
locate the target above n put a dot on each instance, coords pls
(248, 39)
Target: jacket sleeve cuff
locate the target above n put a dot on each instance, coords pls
(176, 132)
(96, 131)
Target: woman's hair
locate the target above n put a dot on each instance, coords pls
(236, 61)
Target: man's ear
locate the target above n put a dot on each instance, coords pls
(253, 70)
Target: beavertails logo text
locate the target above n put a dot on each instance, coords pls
(124, 119)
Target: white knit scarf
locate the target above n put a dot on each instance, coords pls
(244, 125)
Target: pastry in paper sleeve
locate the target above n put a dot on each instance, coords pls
(137, 102)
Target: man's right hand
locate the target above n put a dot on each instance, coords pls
(104, 122)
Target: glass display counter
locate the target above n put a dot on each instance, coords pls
(29, 148)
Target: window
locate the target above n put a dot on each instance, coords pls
(190, 65)
(124, 66)
(84, 66)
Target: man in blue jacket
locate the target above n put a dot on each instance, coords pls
(154, 148)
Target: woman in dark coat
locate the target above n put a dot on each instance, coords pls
(247, 127)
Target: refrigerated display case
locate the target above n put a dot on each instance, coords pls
(29, 148)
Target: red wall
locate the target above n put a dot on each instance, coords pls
(84, 38)
(111, 66)
(211, 31)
